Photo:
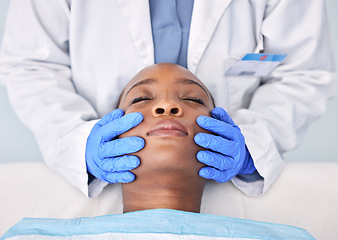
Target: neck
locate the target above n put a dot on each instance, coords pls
(169, 191)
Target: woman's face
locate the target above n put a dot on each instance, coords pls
(170, 99)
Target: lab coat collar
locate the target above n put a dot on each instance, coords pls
(205, 17)
(137, 16)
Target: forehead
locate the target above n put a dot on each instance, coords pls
(164, 73)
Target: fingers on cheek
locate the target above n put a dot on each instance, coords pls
(120, 147)
(124, 163)
(216, 160)
(214, 174)
(122, 177)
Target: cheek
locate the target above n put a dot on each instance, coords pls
(194, 115)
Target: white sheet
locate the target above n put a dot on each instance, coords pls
(153, 224)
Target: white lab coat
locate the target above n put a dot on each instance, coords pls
(65, 62)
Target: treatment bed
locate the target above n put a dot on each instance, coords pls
(305, 195)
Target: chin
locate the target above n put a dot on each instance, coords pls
(168, 155)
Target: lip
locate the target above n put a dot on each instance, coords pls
(168, 127)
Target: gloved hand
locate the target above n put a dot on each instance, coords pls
(229, 155)
(105, 155)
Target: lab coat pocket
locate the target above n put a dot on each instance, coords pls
(239, 89)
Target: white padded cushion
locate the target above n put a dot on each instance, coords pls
(305, 195)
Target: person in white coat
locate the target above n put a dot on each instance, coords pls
(64, 63)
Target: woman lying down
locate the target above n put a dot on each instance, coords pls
(164, 200)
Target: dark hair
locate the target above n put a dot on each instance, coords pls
(212, 100)
(119, 100)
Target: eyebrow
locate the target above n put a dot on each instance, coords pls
(184, 81)
(187, 81)
(147, 81)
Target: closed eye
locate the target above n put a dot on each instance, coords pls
(140, 99)
(193, 99)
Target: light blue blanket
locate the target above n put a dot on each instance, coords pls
(152, 224)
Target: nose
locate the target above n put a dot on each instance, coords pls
(167, 107)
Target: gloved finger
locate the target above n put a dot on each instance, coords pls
(216, 160)
(120, 125)
(119, 147)
(119, 177)
(217, 144)
(220, 114)
(216, 126)
(124, 176)
(117, 113)
(118, 164)
(215, 174)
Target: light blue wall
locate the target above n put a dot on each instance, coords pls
(17, 143)
(321, 142)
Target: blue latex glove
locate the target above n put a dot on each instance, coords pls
(105, 155)
(229, 155)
